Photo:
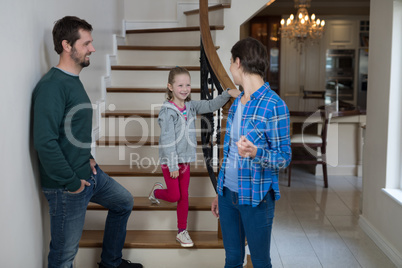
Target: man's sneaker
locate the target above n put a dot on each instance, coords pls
(151, 196)
(129, 264)
(125, 264)
(184, 239)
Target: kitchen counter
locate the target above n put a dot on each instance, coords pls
(334, 114)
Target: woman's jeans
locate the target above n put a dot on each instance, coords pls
(241, 221)
(67, 216)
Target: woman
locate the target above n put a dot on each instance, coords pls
(257, 145)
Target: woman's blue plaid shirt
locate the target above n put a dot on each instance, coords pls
(265, 122)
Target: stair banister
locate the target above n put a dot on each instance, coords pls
(219, 78)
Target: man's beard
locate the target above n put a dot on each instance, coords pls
(74, 55)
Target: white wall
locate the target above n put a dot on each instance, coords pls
(26, 54)
(382, 216)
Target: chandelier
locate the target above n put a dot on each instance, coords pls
(302, 28)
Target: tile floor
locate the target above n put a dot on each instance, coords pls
(317, 227)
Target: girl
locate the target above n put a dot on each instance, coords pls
(177, 143)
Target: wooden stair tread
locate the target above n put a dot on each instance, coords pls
(143, 203)
(210, 8)
(131, 140)
(161, 48)
(142, 90)
(174, 29)
(154, 239)
(147, 171)
(128, 140)
(128, 113)
(150, 68)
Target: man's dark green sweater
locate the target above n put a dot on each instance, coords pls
(62, 130)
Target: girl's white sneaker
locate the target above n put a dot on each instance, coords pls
(151, 196)
(184, 239)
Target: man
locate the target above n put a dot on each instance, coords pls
(70, 177)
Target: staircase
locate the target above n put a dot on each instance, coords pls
(128, 152)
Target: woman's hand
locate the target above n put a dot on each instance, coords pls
(214, 207)
(234, 92)
(174, 174)
(246, 148)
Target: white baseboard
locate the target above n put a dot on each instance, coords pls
(392, 253)
(133, 25)
(118, 40)
(98, 108)
(95, 134)
(95, 137)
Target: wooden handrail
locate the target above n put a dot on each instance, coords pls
(210, 8)
(209, 48)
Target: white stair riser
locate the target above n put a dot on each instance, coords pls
(158, 58)
(216, 17)
(158, 258)
(139, 101)
(141, 186)
(134, 126)
(147, 79)
(190, 38)
(155, 220)
(130, 126)
(134, 155)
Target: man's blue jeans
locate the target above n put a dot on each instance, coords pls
(67, 215)
(241, 221)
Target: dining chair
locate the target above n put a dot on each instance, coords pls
(314, 144)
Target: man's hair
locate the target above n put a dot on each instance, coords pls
(253, 56)
(68, 28)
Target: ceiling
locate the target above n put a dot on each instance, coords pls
(320, 8)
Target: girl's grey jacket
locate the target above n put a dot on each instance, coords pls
(177, 142)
